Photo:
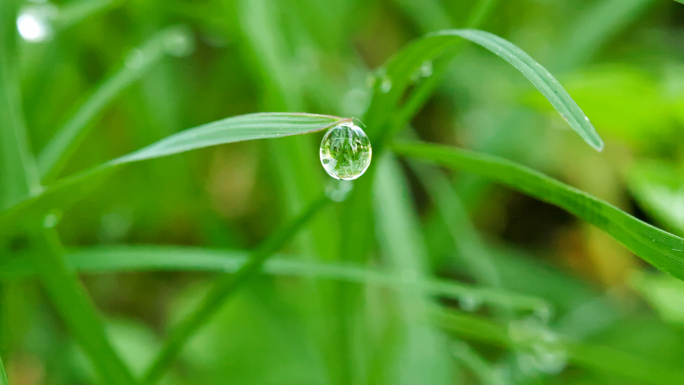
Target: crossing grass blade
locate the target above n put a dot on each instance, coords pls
(235, 129)
(400, 69)
(660, 248)
(59, 149)
(116, 259)
(223, 289)
(76, 309)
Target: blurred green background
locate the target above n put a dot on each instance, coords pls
(614, 319)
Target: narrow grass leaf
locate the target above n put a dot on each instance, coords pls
(223, 289)
(3, 375)
(594, 357)
(235, 129)
(117, 259)
(660, 248)
(18, 173)
(68, 137)
(401, 244)
(477, 364)
(399, 71)
(595, 27)
(76, 309)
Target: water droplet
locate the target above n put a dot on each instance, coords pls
(544, 313)
(135, 59)
(34, 22)
(385, 84)
(179, 42)
(338, 190)
(469, 303)
(537, 347)
(345, 151)
(51, 220)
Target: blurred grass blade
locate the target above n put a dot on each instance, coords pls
(662, 249)
(223, 289)
(116, 259)
(450, 209)
(18, 173)
(67, 139)
(594, 357)
(235, 129)
(481, 368)
(76, 309)
(3, 375)
(74, 11)
(401, 244)
(594, 28)
(479, 13)
(401, 68)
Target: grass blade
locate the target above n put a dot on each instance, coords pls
(239, 128)
(76, 309)
(223, 289)
(400, 242)
(3, 375)
(592, 30)
(481, 368)
(116, 259)
(67, 139)
(598, 358)
(401, 68)
(18, 173)
(660, 248)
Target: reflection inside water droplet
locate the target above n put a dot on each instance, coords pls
(345, 151)
(33, 22)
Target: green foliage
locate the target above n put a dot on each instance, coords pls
(229, 263)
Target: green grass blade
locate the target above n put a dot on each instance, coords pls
(453, 214)
(481, 368)
(598, 358)
(76, 309)
(3, 375)
(662, 249)
(223, 289)
(18, 173)
(401, 244)
(68, 137)
(116, 259)
(239, 128)
(402, 66)
(597, 26)
(73, 12)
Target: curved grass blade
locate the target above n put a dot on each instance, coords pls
(61, 147)
(661, 249)
(223, 289)
(400, 69)
(235, 129)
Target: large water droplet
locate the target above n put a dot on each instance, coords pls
(345, 151)
(34, 22)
